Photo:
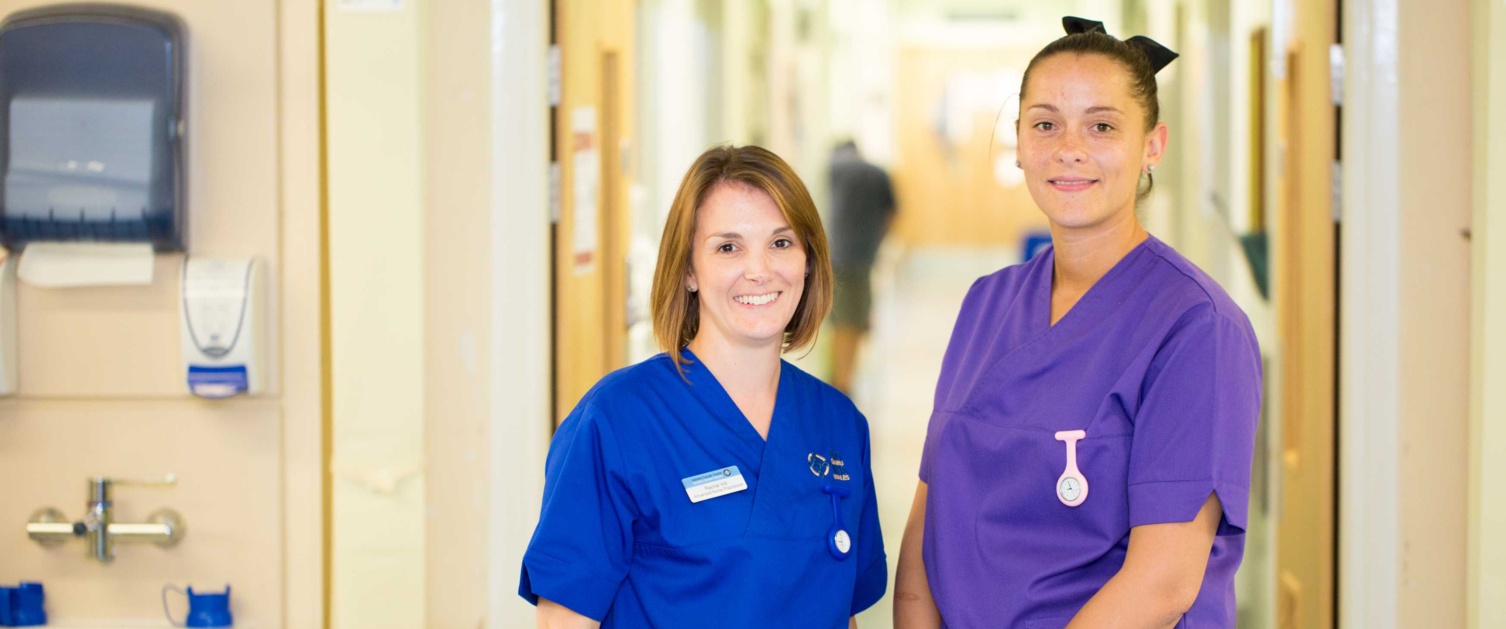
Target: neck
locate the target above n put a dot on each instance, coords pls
(1084, 255)
(741, 369)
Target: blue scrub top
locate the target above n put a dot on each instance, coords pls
(619, 540)
(1160, 369)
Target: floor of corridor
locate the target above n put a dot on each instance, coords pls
(916, 298)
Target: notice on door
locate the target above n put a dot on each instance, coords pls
(370, 6)
(585, 175)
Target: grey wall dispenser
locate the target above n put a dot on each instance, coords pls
(91, 128)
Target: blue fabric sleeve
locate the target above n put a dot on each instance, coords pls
(873, 565)
(580, 551)
(1194, 431)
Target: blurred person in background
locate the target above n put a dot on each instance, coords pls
(862, 210)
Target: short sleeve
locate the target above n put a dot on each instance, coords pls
(579, 553)
(873, 565)
(1194, 431)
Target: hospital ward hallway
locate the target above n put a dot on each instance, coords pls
(385, 345)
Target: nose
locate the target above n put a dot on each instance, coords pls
(757, 270)
(1069, 149)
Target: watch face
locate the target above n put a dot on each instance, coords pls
(1070, 488)
(844, 542)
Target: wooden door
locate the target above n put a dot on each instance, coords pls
(1305, 293)
(595, 37)
(950, 193)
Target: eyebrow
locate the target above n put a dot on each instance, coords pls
(737, 236)
(1091, 110)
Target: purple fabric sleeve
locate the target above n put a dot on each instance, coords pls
(1194, 431)
(580, 551)
(925, 450)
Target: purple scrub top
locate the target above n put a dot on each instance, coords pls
(1159, 367)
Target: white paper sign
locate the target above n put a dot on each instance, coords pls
(370, 6)
(585, 174)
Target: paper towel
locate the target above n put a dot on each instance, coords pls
(71, 264)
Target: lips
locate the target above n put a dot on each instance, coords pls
(757, 300)
(1071, 184)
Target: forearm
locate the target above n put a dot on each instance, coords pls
(914, 608)
(1162, 574)
(1130, 602)
(552, 615)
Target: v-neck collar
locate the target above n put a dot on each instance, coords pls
(705, 386)
(1092, 305)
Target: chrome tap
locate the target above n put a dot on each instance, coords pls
(163, 527)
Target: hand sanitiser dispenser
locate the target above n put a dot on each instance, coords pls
(222, 326)
(91, 127)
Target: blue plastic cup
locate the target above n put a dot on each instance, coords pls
(26, 605)
(6, 594)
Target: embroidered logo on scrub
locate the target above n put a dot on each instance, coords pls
(1072, 487)
(821, 467)
(818, 464)
(838, 469)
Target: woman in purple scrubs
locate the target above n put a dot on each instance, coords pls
(1088, 460)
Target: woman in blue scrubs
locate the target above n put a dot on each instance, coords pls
(716, 484)
(1088, 458)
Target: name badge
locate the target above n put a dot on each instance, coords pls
(727, 480)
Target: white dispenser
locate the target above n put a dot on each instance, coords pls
(7, 324)
(222, 326)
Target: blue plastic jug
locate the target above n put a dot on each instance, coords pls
(206, 609)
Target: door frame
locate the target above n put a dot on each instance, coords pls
(1369, 583)
(520, 355)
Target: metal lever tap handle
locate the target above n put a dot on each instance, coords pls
(166, 480)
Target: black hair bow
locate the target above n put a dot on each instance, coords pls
(1158, 55)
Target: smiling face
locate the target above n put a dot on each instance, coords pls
(747, 266)
(1082, 140)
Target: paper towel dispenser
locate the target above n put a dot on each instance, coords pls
(91, 126)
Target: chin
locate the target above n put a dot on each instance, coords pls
(761, 336)
(1075, 218)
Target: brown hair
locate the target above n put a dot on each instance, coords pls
(1131, 58)
(676, 310)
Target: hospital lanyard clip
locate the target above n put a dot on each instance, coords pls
(837, 539)
(1072, 487)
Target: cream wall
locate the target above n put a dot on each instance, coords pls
(1435, 186)
(457, 307)
(375, 72)
(1487, 499)
(440, 309)
(101, 390)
